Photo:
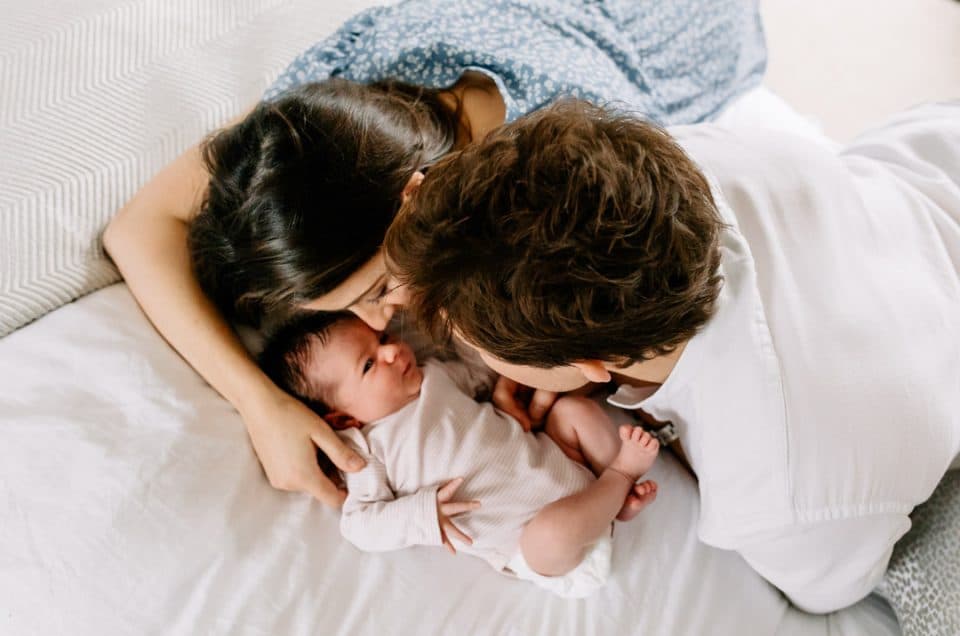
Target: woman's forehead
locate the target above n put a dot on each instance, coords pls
(360, 283)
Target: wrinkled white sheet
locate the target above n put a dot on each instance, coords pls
(132, 503)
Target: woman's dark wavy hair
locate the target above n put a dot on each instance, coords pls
(302, 190)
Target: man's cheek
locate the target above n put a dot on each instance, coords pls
(560, 383)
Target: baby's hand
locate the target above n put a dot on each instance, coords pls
(447, 508)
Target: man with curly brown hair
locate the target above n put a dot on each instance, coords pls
(796, 315)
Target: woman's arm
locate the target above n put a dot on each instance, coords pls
(148, 242)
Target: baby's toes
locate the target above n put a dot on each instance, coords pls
(625, 431)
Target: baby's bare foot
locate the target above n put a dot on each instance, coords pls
(638, 449)
(642, 495)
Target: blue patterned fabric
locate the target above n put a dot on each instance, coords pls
(674, 62)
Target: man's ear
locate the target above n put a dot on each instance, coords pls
(415, 180)
(340, 421)
(593, 370)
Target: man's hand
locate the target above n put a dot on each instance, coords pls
(447, 508)
(286, 434)
(526, 405)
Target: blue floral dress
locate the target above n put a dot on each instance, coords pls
(676, 61)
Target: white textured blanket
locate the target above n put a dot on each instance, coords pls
(97, 96)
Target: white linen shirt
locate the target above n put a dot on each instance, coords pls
(821, 402)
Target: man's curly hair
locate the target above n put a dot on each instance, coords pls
(574, 233)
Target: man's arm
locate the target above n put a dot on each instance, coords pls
(828, 565)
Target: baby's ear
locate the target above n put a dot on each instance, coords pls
(339, 421)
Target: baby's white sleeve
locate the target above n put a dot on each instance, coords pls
(375, 520)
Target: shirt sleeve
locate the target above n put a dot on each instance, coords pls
(375, 520)
(826, 566)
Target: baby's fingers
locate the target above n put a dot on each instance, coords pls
(446, 492)
(454, 508)
(449, 546)
(453, 531)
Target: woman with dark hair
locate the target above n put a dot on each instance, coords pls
(287, 208)
(302, 190)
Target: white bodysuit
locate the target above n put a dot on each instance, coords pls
(442, 435)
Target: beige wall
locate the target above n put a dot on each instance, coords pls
(850, 63)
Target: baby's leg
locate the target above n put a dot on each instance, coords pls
(557, 538)
(585, 434)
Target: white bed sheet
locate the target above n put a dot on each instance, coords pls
(132, 503)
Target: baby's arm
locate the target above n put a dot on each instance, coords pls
(375, 520)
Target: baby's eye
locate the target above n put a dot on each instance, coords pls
(368, 365)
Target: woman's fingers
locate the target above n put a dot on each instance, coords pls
(323, 490)
(285, 434)
(342, 456)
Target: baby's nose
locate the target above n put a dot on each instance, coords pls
(389, 352)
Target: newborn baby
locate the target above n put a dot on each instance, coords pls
(445, 469)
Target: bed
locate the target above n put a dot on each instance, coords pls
(131, 501)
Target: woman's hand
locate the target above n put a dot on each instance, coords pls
(526, 405)
(285, 434)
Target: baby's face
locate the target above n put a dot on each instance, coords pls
(371, 375)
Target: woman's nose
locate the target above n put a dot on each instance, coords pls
(377, 318)
(387, 313)
(399, 294)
